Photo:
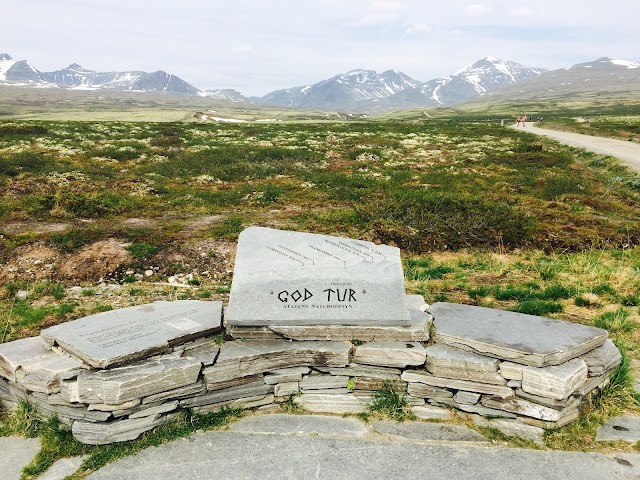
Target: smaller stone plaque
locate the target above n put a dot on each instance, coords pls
(293, 278)
(120, 336)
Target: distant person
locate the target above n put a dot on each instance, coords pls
(524, 120)
(530, 118)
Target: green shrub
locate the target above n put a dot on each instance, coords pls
(143, 250)
(616, 321)
(537, 307)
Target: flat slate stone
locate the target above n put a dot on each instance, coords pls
(253, 389)
(478, 409)
(357, 370)
(521, 338)
(137, 381)
(625, 428)
(512, 428)
(512, 371)
(111, 432)
(294, 278)
(529, 409)
(603, 359)
(243, 358)
(340, 404)
(428, 431)
(17, 453)
(556, 381)
(284, 424)
(286, 389)
(34, 366)
(428, 379)
(391, 354)
(128, 334)
(322, 382)
(429, 412)
(417, 331)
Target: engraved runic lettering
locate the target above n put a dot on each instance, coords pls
(296, 295)
(341, 294)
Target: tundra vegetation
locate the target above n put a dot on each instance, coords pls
(101, 215)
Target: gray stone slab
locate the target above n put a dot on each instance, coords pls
(246, 402)
(321, 382)
(391, 354)
(284, 424)
(121, 336)
(556, 381)
(286, 389)
(17, 453)
(524, 407)
(253, 389)
(417, 331)
(602, 359)
(286, 375)
(239, 359)
(294, 278)
(478, 409)
(374, 384)
(327, 403)
(428, 431)
(357, 370)
(234, 382)
(512, 428)
(62, 468)
(176, 394)
(426, 391)
(157, 410)
(303, 457)
(428, 379)
(34, 366)
(137, 381)
(625, 428)
(517, 337)
(445, 356)
(468, 398)
(429, 412)
(111, 432)
(512, 371)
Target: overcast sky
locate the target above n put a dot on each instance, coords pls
(259, 46)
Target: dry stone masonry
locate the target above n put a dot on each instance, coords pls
(320, 320)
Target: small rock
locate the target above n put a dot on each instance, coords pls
(171, 279)
(22, 294)
(148, 273)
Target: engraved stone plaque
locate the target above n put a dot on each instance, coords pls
(119, 336)
(294, 278)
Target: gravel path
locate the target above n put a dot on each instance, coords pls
(627, 152)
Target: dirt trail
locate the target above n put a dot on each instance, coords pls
(627, 152)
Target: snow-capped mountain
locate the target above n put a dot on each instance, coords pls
(228, 94)
(75, 77)
(604, 76)
(347, 91)
(486, 75)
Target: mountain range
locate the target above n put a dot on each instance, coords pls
(357, 90)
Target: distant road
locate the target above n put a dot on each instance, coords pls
(627, 152)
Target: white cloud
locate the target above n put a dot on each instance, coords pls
(476, 9)
(242, 50)
(381, 12)
(416, 28)
(522, 12)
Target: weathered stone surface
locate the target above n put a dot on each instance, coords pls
(592, 384)
(63, 468)
(323, 382)
(244, 402)
(468, 398)
(428, 379)
(284, 375)
(568, 417)
(234, 382)
(293, 278)
(529, 409)
(176, 394)
(300, 425)
(522, 338)
(429, 412)
(546, 401)
(512, 428)
(512, 371)
(445, 356)
(479, 409)
(253, 389)
(118, 431)
(286, 389)
(17, 453)
(126, 383)
(374, 384)
(158, 409)
(101, 407)
(391, 354)
(239, 359)
(37, 368)
(339, 404)
(125, 335)
(428, 431)
(357, 370)
(425, 391)
(514, 384)
(602, 359)
(625, 428)
(558, 381)
(417, 331)
(68, 414)
(328, 391)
